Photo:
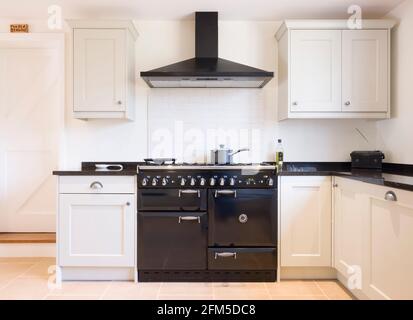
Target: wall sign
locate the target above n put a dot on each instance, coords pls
(19, 28)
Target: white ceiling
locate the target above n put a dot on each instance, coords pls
(183, 9)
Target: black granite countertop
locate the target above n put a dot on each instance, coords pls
(392, 176)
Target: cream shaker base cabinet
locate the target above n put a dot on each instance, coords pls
(373, 239)
(349, 218)
(96, 230)
(329, 71)
(388, 244)
(305, 221)
(97, 222)
(103, 70)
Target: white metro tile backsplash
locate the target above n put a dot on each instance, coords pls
(188, 123)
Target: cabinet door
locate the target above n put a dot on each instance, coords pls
(306, 221)
(99, 70)
(388, 245)
(350, 206)
(96, 230)
(315, 71)
(365, 71)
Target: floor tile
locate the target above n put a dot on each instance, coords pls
(9, 271)
(52, 297)
(132, 291)
(185, 297)
(323, 297)
(294, 288)
(334, 291)
(192, 289)
(38, 270)
(84, 288)
(25, 289)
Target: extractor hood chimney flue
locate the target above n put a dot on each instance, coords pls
(207, 70)
(206, 35)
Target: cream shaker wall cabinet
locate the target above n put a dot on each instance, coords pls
(327, 70)
(103, 69)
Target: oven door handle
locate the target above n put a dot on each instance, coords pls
(189, 218)
(225, 192)
(182, 192)
(225, 255)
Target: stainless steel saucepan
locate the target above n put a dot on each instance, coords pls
(224, 155)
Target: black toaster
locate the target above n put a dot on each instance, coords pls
(367, 160)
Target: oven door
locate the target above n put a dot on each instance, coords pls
(242, 218)
(172, 240)
(172, 200)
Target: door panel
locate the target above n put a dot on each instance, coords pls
(350, 205)
(315, 71)
(365, 70)
(306, 221)
(172, 240)
(243, 217)
(388, 242)
(30, 125)
(172, 200)
(96, 230)
(242, 259)
(99, 70)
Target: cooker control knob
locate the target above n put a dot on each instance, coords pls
(183, 182)
(222, 182)
(154, 182)
(212, 182)
(145, 182)
(270, 182)
(164, 181)
(193, 182)
(202, 182)
(232, 182)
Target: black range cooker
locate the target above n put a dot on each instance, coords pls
(207, 223)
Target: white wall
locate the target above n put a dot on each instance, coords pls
(253, 43)
(396, 135)
(251, 111)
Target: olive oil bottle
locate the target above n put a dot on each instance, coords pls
(279, 155)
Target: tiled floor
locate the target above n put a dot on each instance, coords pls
(28, 279)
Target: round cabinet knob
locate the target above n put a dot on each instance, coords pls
(222, 182)
(270, 182)
(183, 181)
(212, 182)
(193, 182)
(144, 182)
(164, 181)
(154, 181)
(202, 182)
(232, 182)
(347, 103)
(119, 102)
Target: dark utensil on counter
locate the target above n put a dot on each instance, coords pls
(224, 155)
(367, 160)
